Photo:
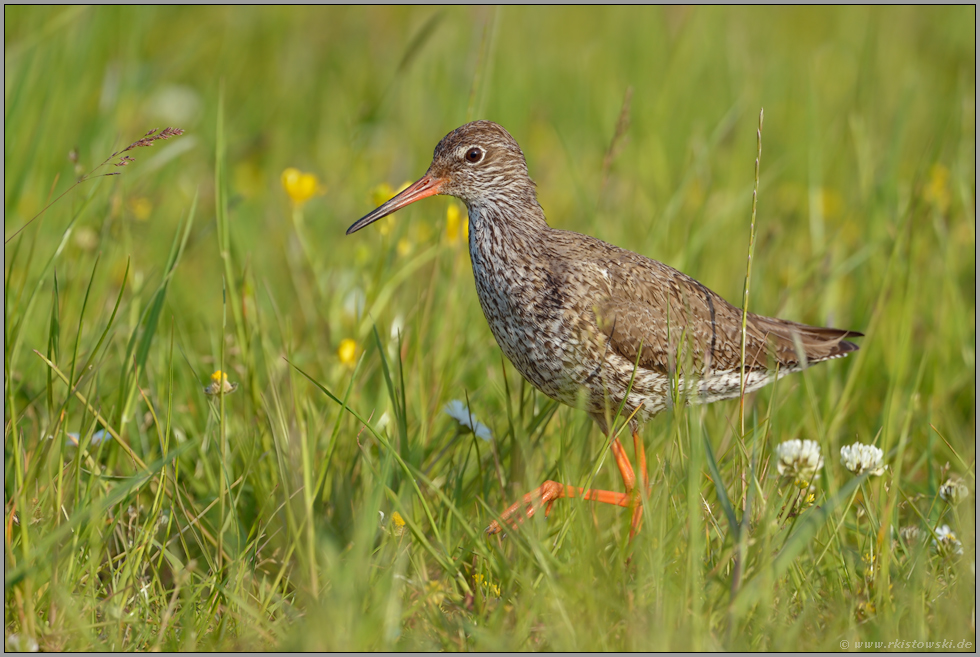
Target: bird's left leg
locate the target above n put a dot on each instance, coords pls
(641, 462)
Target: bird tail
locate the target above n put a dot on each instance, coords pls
(815, 343)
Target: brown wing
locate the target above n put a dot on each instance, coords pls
(677, 320)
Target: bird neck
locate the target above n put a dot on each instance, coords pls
(504, 234)
(507, 215)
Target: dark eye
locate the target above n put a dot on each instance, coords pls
(474, 155)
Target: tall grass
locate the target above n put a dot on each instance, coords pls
(328, 501)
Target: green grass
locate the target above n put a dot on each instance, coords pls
(251, 520)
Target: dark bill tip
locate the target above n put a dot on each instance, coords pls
(425, 186)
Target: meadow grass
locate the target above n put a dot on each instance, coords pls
(328, 501)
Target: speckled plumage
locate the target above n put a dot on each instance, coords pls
(572, 313)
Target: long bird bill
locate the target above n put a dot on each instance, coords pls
(425, 186)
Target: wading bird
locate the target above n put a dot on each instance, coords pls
(592, 325)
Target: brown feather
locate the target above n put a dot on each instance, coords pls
(576, 315)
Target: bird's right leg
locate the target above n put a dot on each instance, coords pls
(546, 494)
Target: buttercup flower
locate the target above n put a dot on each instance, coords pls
(946, 542)
(490, 589)
(954, 491)
(860, 458)
(347, 352)
(456, 225)
(459, 412)
(435, 592)
(141, 207)
(300, 186)
(398, 524)
(379, 195)
(382, 193)
(937, 191)
(219, 382)
(799, 460)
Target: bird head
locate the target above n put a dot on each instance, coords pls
(479, 163)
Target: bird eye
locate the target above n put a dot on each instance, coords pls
(474, 155)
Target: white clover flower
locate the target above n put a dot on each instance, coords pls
(860, 458)
(954, 491)
(18, 643)
(946, 542)
(910, 534)
(799, 460)
(459, 412)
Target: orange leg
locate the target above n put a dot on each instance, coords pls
(625, 467)
(641, 461)
(546, 494)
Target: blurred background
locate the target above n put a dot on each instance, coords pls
(869, 115)
(639, 127)
(859, 103)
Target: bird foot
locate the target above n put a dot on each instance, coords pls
(546, 494)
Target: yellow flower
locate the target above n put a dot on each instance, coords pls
(490, 589)
(300, 187)
(248, 178)
(435, 592)
(869, 569)
(865, 610)
(832, 202)
(141, 207)
(382, 193)
(937, 189)
(379, 195)
(404, 246)
(347, 352)
(397, 525)
(219, 382)
(456, 225)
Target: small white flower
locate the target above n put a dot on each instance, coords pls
(799, 460)
(946, 542)
(17, 643)
(397, 328)
(910, 534)
(860, 458)
(459, 412)
(954, 491)
(354, 302)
